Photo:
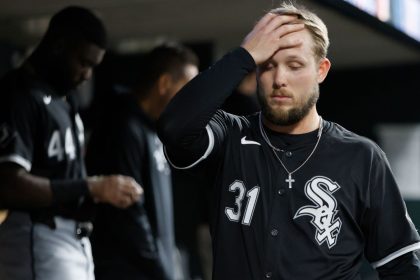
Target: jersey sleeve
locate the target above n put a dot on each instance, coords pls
(18, 126)
(190, 128)
(388, 228)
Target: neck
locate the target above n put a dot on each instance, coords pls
(309, 123)
(149, 107)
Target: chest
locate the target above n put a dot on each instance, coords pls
(60, 134)
(262, 192)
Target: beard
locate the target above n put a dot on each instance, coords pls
(291, 116)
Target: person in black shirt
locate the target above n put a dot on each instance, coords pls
(294, 196)
(42, 173)
(138, 242)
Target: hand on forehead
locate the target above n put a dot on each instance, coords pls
(271, 33)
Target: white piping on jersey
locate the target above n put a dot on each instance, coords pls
(18, 160)
(206, 154)
(399, 253)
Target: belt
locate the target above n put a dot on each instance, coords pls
(80, 228)
(83, 229)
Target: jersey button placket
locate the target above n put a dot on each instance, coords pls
(288, 154)
(274, 232)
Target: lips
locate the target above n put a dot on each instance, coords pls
(280, 97)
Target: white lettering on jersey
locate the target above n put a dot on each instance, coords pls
(320, 189)
(56, 148)
(69, 145)
(252, 195)
(162, 164)
(80, 130)
(248, 142)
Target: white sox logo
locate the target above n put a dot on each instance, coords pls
(320, 189)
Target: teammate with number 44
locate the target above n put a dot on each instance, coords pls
(43, 180)
(295, 196)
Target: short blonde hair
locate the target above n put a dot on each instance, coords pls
(312, 22)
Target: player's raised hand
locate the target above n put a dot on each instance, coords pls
(270, 35)
(117, 190)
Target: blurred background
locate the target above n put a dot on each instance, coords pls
(373, 87)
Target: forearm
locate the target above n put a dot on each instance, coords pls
(22, 190)
(191, 109)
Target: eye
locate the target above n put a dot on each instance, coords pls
(267, 66)
(295, 66)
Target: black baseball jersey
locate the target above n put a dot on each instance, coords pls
(40, 131)
(343, 203)
(137, 242)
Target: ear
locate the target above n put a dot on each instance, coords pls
(164, 83)
(323, 68)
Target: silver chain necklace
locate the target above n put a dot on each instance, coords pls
(290, 180)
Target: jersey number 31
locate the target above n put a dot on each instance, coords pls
(252, 196)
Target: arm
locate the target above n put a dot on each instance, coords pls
(20, 126)
(406, 267)
(391, 237)
(183, 124)
(22, 190)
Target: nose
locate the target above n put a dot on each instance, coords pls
(279, 80)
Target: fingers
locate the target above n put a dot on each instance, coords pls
(131, 188)
(117, 190)
(287, 37)
(264, 20)
(278, 21)
(269, 35)
(128, 191)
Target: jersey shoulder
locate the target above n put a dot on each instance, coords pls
(231, 121)
(338, 136)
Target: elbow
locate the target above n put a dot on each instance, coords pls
(6, 188)
(168, 131)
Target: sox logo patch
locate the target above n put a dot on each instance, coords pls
(320, 190)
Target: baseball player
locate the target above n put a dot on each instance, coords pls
(295, 196)
(139, 242)
(42, 173)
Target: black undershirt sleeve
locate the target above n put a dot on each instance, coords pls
(405, 267)
(182, 126)
(21, 190)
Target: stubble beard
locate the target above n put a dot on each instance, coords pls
(290, 116)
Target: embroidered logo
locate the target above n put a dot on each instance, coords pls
(159, 156)
(320, 189)
(248, 142)
(46, 99)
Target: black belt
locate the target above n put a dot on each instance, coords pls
(83, 228)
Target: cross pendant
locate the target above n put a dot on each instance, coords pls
(290, 181)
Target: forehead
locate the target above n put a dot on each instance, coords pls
(305, 50)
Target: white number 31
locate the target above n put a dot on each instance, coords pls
(252, 195)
